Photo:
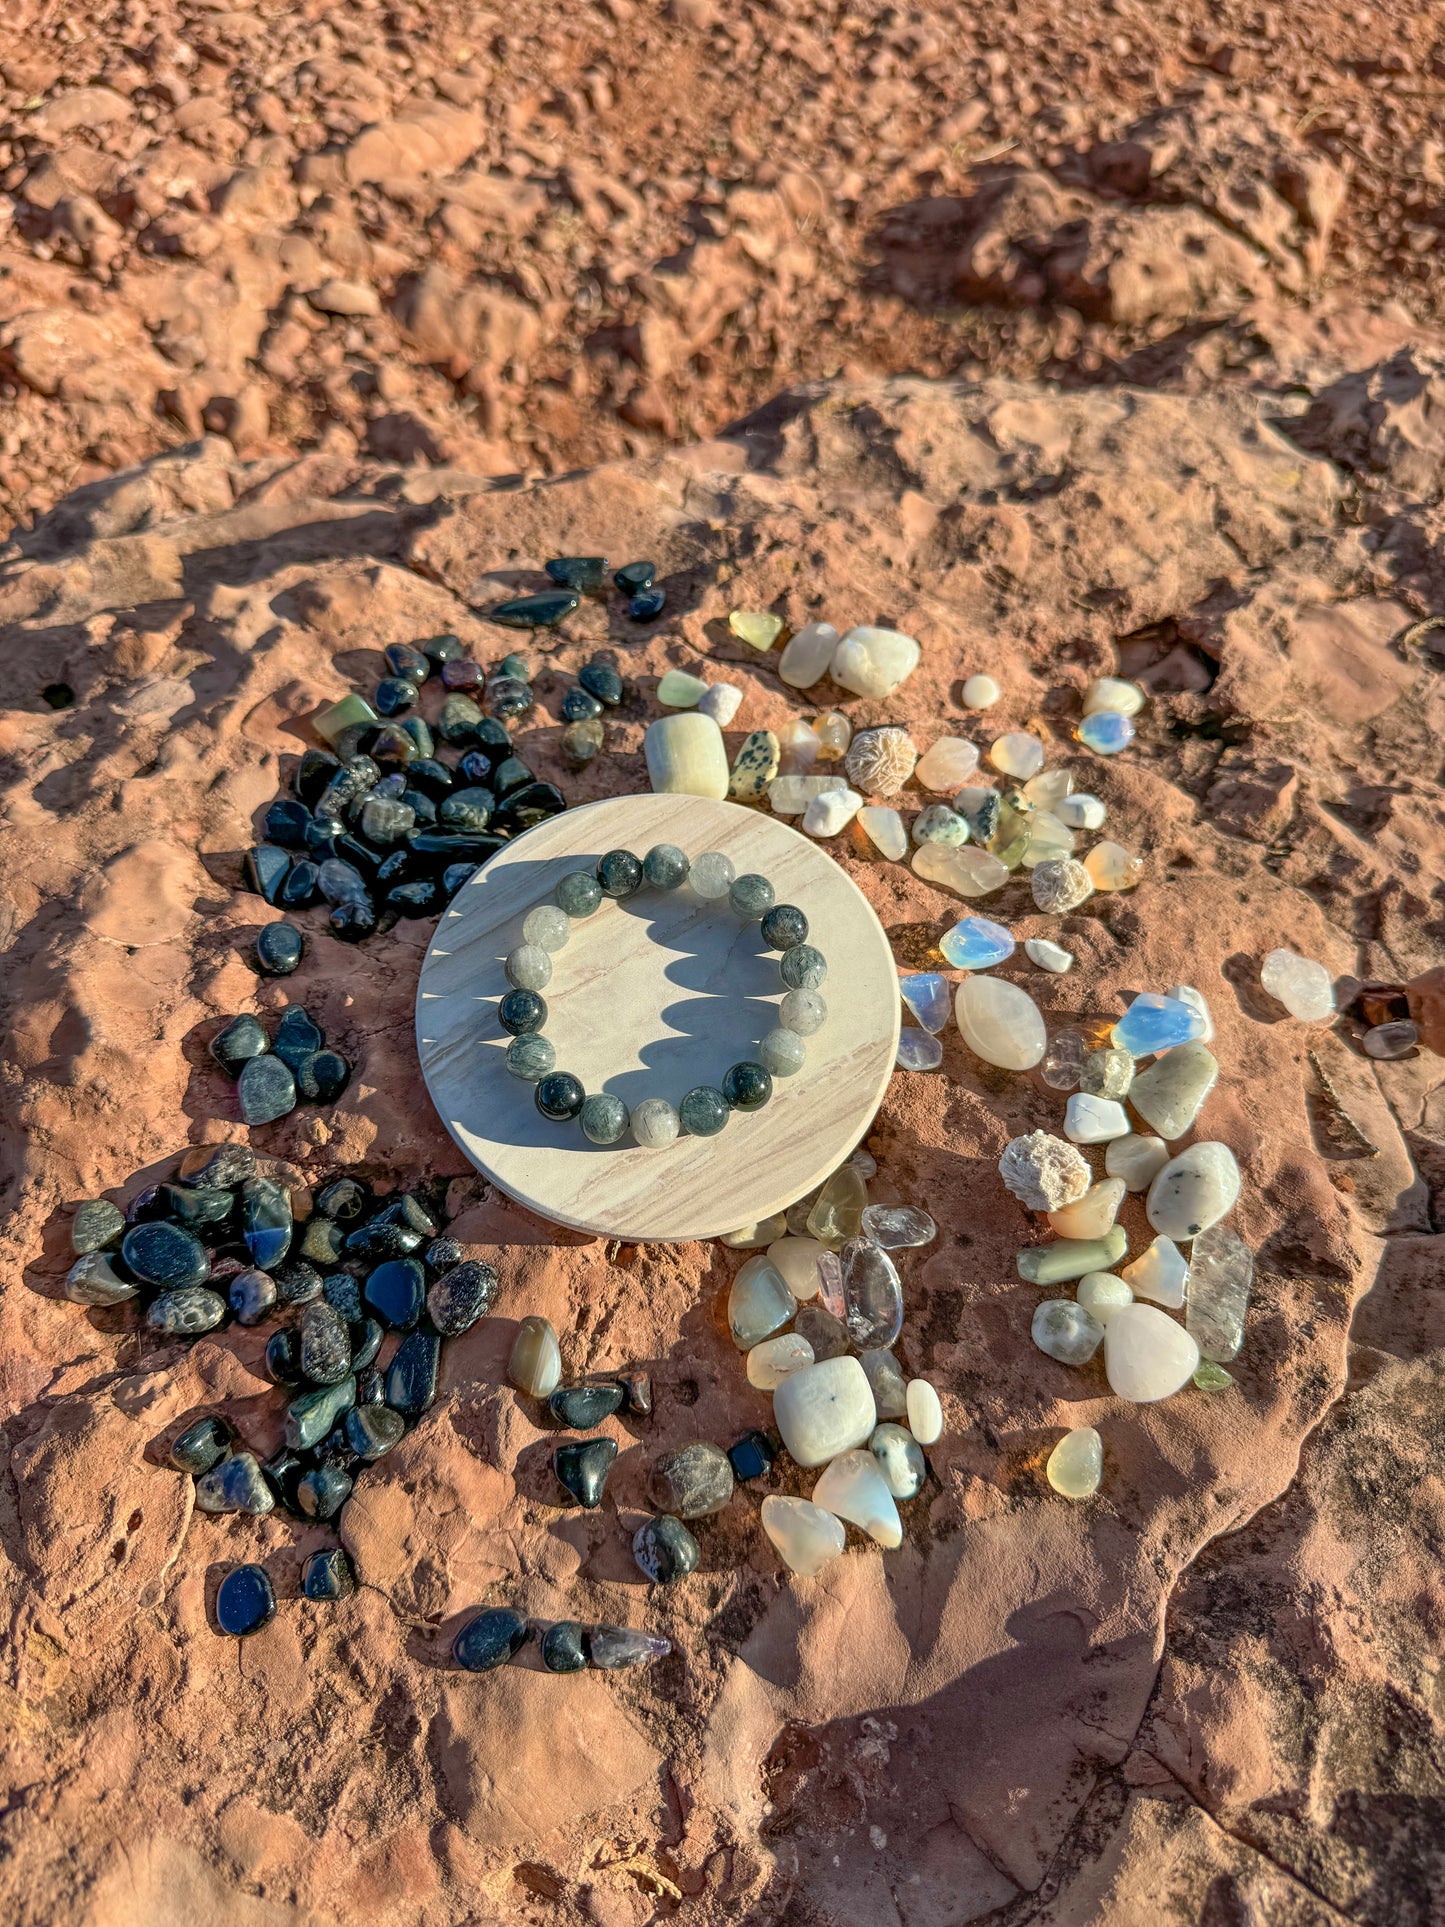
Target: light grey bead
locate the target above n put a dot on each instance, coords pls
(803, 1011)
(655, 1123)
(547, 927)
(665, 867)
(751, 897)
(803, 967)
(712, 874)
(782, 1052)
(531, 1057)
(604, 1118)
(529, 967)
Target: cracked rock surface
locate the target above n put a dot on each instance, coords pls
(1207, 1693)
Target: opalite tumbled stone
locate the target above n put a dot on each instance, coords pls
(980, 692)
(771, 1362)
(1101, 1294)
(806, 657)
(655, 1124)
(1221, 1274)
(1111, 867)
(1081, 811)
(1068, 1258)
(797, 1261)
(918, 1050)
(884, 830)
(1094, 1120)
(1017, 754)
(1171, 1093)
(1187, 994)
(824, 1409)
(535, 1365)
(1048, 956)
(1155, 1023)
(1076, 1463)
(1043, 1172)
(1159, 1274)
(686, 755)
(948, 765)
(1304, 987)
(759, 1303)
(968, 872)
(1106, 734)
(1092, 1215)
(755, 765)
(679, 690)
(1137, 1160)
(1194, 1191)
(721, 701)
(873, 662)
(872, 1294)
(806, 1537)
(1110, 695)
(925, 1412)
(853, 1488)
(929, 996)
(900, 1459)
(1000, 1023)
(976, 943)
(826, 815)
(1147, 1356)
(791, 795)
(1066, 1331)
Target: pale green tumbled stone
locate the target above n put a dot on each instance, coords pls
(679, 690)
(352, 712)
(1076, 1463)
(686, 755)
(1210, 1377)
(1071, 1257)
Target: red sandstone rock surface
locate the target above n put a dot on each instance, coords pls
(1210, 1694)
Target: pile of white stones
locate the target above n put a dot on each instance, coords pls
(817, 1313)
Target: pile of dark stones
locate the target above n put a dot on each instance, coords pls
(273, 1075)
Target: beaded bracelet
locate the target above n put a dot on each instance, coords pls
(705, 1109)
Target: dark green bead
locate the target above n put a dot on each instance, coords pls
(619, 873)
(751, 897)
(747, 1086)
(564, 1647)
(578, 893)
(521, 1011)
(665, 867)
(559, 1095)
(803, 968)
(785, 927)
(704, 1111)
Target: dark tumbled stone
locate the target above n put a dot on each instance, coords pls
(204, 1443)
(582, 1469)
(242, 1040)
(403, 660)
(585, 573)
(394, 694)
(522, 1011)
(323, 1491)
(601, 680)
(564, 1647)
(423, 811)
(245, 1601)
(463, 1295)
(298, 1283)
(371, 1387)
(323, 1076)
(322, 1241)
(610, 1647)
(236, 1484)
(279, 949)
(752, 1456)
(429, 776)
(691, 1482)
(513, 664)
(459, 721)
(784, 927)
(265, 1090)
(437, 850)
(647, 605)
(490, 1639)
(747, 1086)
(146, 1206)
(297, 1035)
(282, 1472)
(665, 1550)
(325, 1344)
(327, 1575)
(542, 611)
(217, 1166)
(381, 1238)
(584, 1406)
(455, 875)
(186, 1312)
(341, 882)
(366, 1343)
(423, 897)
(442, 1253)
(405, 1207)
(286, 822)
(511, 774)
(637, 1393)
(468, 809)
(509, 696)
(196, 1206)
(372, 1430)
(344, 1200)
(312, 774)
(462, 674)
(302, 886)
(633, 577)
(266, 868)
(581, 742)
(352, 922)
(559, 1096)
(443, 648)
(311, 1415)
(579, 705)
(343, 1293)
(411, 1379)
(396, 1292)
(826, 1334)
(252, 1296)
(165, 1255)
(96, 1224)
(283, 1356)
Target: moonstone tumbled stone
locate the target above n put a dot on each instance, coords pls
(1093, 1215)
(1137, 1160)
(1194, 1191)
(925, 1412)
(655, 1124)
(771, 1362)
(1094, 1120)
(948, 765)
(1147, 1356)
(1101, 1294)
(806, 1537)
(930, 997)
(1076, 1463)
(884, 830)
(721, 701)
(1066, 1331)
(918, 1050)
(686, 755)
(797, 1260)
(807, 655)
(873, 662)
(1070, 1258)
(1304, 987)
(831, 812)
(1171, 1093)
(1187, 994)
(1159, 1274)
(900, 1460)
(824, 1409)
(1000, 1023)
(535, 1365)
(853, 1488)
(1106, 734)
(759, 1303)
(1017, 754)
(967, 871)
(1221, 1273)
(1043, 1172)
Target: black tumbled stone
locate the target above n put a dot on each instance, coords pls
(315, 770)
(278, 949)
(524, 808)
(344, 1200)
(380, 1238)
(405, 1207)
(509, 696)
(327, 1575)
(403, 660)
(542, 611)
(637, 1393)
(396, 1292)
(365, 1343)
(323, 1491)
(197, 1205)
(343, 1293)
(490, 1639)
(242, 1040)
(665, 1550)
(302, 886)
(352, 922)
(455, 875)
(752, 1456)
(394, 694)
(165, 1255)
(411, 1379)
(564, 1647)
(647, 605)
(252, 1296)
(559, 1095)
(322, 1241)
(429, 776)
(582, 1469)
(459, 721)
(457, 1300)
(325, 1344)
(522, 1011)
(585, 573)
(204, 1443)
(266, 868)
(582, 1407)
(298, 1283)
(443, 648)
(322, 1077)
(510, 774)
(311, 1415)
(217, 1166)
(297, 1035)
(245, 1601)
(265, 1090)
(372, 1430)
(468, 810)
(601, 680)
(422, 897)
(633, 577)
(442, 1253)
(283, 1356)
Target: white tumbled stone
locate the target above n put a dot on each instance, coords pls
(948, 765)
(1043, 1172)
(1171, 1093)
(776, 1359)
(853, 1488)
(722, 702)
(925, 1412)
(1048, 956)
(1101, 1294)
(831, 812)
(1112, 694)
(791, 795)
(1094, 1120)
(1017, 754)
(873, 662)
(1001, 1023)
(807, 655)
(1081, 812)
(1194, 1191)
(884, 830)
(1137, 1160)
(806, 1537)
(900, 1460)
(1159, 1274)
(1147, 1356)
(980, 692)
(1304, 987)
(686, 755)
(824, 1409)
(1076, 1464)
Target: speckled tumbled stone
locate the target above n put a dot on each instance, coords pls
(691, 1482)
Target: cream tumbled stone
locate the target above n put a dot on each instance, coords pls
(1101, 1294)
(967, 871)
(1043, 1172)
(749, 1236)
(1194, 1191)
(853, 1488)
(1017, 754)
(799, 747)
(806, 1537)
(925, 1412)
(807, 655)
(874, 662)
(535, 1365)
(824, 1409)
(1082, 812)
(980, 692)
(770, 1362)
(1000, 1023)
(831, 812)
(948, 765)
(1094, 1120)
(1147, 1356)
(1159, 1274)
(797, 1260)
(1137, 1160)
(1091, 1215)
(686, 755)
(884, 830)
(1112, 694)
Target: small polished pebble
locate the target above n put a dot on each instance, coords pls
(1111, 867)
(976, 943)
(601, 680)
(825, 1409)
(968, 872)
(322, 1077)
(311, 1415)
(531, 1056)
(1106, 732)
(704, 1111)
(1101, 1294)
(930, 997)
(1069, 1258)
(1017, 754)
(535, 1363)
(898, 1227)
(750, 897)
(491, 1638)
(411, 1379)
(265, 1090)
(1108, 1072)
(279, 949)
(1387, 1041)
(463, 1294)
(791, 794)
(509, 696)
(831, 812)
(580, 706)
(1172, 1092)
(583, 1407)
(752, 1457)
(665, 867)
(1221, 1276)
(925, 1412)
(327, 1575)
(647, 604)
(826, 1334)
(665, 1550)
(235, 1484)
(759, 1302)
(872, 1294)
(1047, 955)
(1303, 986)
(204, 1443)
(93, 1280)
(281, 1473)
(1160, 1274)
(582, 1469)
(872, 661)
(1093, 1215)
(542, 611)
(96, 1223)
(918, 1050)
(564, 1647)
(679, 690)
(900, 1461)
(611, 1647)
(322, 1491)
(1194, 1191)
(759, 628)
(396, 1292)
(1066, 1331)
(297, 1036)
(521, 1011)
(372, 1431)
(325, 1343)
(165, 1255)
(587, 573)
(1076, 1464)
(1094, 1120)
(241, 1040)
(769, 1364)
(1154, 1023)
(852, 1487)
(1147, 1354)
(884, 830)
(721, 701)
(1000, 1023)
(805, 1536)
(808, 654)
(885, 1381)
(837, 1212)
(245, 1601)
(980, 692)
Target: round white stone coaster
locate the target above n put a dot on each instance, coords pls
(651, 996)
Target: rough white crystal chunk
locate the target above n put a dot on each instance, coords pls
(853, 1488)
(1160, 1274)
(1147, 1356)
(824, 1409)
(1048, 956)
(1171, 1093)
(686, 755)
(1043, 1172)
(1221, 1272)
(834, 810)
(1194, 1191)
(873, 662)
(925, 1412)
(805, 1535)
(1137, 1160)
(948, 765)
(772, 1361)
(884, 830)
(806, 658)
(1101, 1294)
(1304, 987)
(1094, 1120)
(1001, 1023)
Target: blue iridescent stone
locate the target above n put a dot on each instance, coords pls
(929, 996)
(647, 605)
(1154, 1023)
(1106, 733)
(918, 1050)
(976, 943)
